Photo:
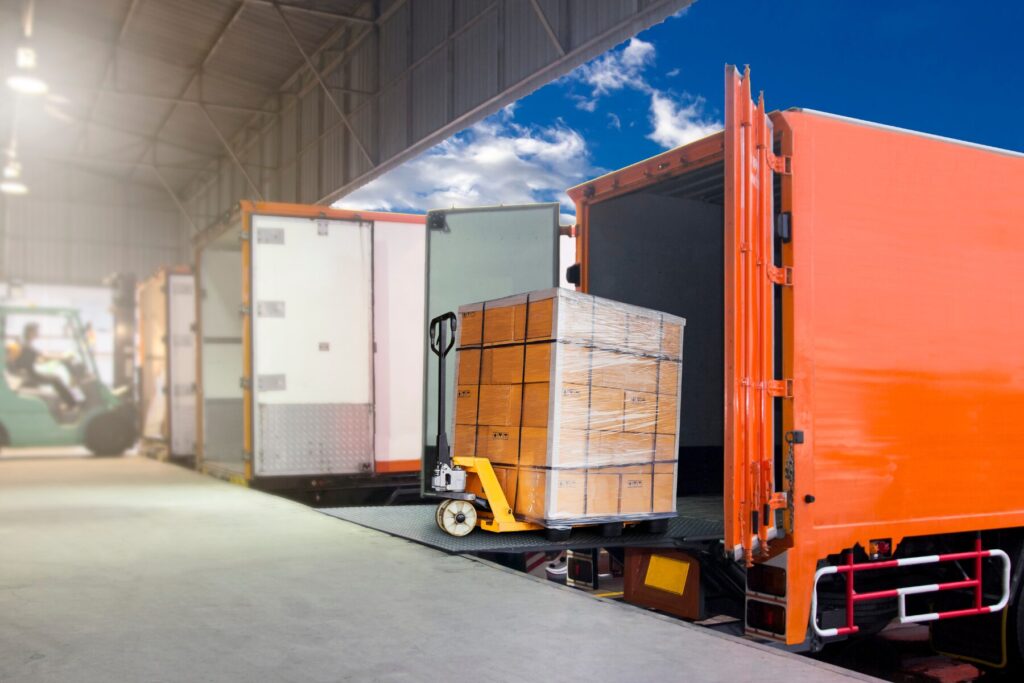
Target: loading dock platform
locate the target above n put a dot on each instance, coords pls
(129, 569)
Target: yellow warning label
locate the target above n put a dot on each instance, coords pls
(667, 574)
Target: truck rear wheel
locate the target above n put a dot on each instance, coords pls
(109, 434)
(1015, 632)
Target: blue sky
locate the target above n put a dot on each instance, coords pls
(943, 67)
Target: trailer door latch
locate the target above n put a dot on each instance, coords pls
(780, 164)
(781, 276)
(781, 388)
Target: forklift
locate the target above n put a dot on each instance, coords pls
(31, 415)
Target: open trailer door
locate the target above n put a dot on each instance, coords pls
(310, 364)
(754, 512)
(478, 255)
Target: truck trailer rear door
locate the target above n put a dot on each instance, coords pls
(477, 255)
(751, 505)
(311, 345)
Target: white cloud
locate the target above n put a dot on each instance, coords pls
(677, 123)
(675, 119)
(614, 70)
(494, 162)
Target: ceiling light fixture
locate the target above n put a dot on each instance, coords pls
(24, 80)
(13, 187)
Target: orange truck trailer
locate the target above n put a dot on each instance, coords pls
(853, 380)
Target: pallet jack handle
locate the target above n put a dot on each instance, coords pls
(441, 344)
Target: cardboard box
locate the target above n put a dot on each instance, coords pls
(640, 412)
(619, 448)
(538, 362)
(465, 404)
(541, 321)
(536, 404)
(500, 404)
(464, 441)
(503, 365)
(468, 362)
(668, 414)
(672, 339)
(503, 324)
(575, 363)
(668, 377)
(500, 445)
(664, 487)
(470, 326)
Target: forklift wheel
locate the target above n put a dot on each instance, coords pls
(456, 517)
(109, 434)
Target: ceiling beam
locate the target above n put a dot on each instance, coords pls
(153, 97)
(552, 36)
(285, 88)
(175, 198)
(231, 152)
(323, 85)
(317, 11)
(198, 70)
(111, 61)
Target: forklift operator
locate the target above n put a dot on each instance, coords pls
(25, 365)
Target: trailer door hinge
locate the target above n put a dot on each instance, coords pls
(782, 388)
(243, 236)
(781, 276)
(780, 164)
(246, 456)
(245, 383)
(244, 310)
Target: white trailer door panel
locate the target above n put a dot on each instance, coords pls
(181, 342)
(312, 374)
(399, 258)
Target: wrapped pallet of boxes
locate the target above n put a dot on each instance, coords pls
(575, 401)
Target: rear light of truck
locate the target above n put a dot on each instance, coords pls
(766, 617)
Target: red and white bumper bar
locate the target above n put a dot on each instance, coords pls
(853, 597)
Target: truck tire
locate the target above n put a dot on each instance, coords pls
(1015, 632)
(109, 434)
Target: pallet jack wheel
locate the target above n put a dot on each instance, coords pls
(456, 517)
(437, 514)
(557, 535)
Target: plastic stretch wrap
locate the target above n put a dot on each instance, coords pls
(575, 401)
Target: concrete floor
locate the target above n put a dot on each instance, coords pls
(132, 570)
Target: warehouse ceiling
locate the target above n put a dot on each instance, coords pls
(298, 100)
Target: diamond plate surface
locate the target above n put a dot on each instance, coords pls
(698, 518)
(316, 438)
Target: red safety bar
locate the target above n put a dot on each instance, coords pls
(853, 597)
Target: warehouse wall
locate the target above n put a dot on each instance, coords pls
(76, 227)
(422, 72)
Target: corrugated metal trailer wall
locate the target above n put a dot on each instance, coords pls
(384, 92)
(78, 226)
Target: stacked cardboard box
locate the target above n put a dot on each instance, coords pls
(575, 401)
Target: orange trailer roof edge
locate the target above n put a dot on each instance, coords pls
(318, 211)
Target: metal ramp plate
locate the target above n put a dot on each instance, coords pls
(699, 518)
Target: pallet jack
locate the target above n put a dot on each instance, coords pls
(461, 510)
